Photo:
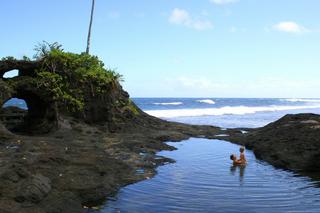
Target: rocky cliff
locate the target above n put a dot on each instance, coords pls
(80, 139)
(292, 142)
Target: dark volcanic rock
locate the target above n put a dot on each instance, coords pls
(34, 189)
(25, 67)
(12, 117)
(61, 160)
(293, 142)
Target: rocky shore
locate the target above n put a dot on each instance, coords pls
(83, 138)
(80, 165)
(292, 142)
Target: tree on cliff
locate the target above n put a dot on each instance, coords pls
(90, 25)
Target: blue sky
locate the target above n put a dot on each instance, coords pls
(182, 48)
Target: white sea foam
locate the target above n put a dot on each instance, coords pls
(222, 135)
(301, 100)
(228, 110)
(206, 101)
(169, 103)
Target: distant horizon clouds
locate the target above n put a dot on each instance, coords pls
(182, 17)
(290, 27)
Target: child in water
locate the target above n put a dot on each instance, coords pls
(242, 157)
(241, 161)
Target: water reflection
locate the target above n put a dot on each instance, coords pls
(202, 181)
(241, 168)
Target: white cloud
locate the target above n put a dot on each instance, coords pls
(221, 2)
(179, 16)
(289, 27)
(182, 17)
(198, 83)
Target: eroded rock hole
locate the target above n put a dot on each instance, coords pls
(27, 113)
(11, 74)
(13, 114)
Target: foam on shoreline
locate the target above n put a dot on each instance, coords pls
(228, 110)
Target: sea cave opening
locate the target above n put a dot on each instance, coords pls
(13, 114)
(27, 113)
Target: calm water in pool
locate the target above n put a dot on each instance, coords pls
(203, 180)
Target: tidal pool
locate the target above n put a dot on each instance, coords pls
(203, 180)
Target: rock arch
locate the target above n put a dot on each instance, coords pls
(25, 68)
(40, 118)
(13, 113)
(42, 111)
(11, 74)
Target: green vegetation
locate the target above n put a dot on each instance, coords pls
(131, 107)
(69, 77)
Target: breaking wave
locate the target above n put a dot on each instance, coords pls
(206, 101)
(228, 110)
(301, 100)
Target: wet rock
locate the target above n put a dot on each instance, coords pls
(65, 202)
(292, 142)
(310, 122)
(34, 189)
(9, 206)
(10, 175)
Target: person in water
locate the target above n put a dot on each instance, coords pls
(242, 157)
(242, 160)
(235, 160)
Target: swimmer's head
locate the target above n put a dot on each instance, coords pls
(232, 157)
(241, 149)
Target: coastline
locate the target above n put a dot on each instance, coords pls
(65, 159)
(80, 165)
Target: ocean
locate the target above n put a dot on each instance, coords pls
(223, 112)
(203, 179)
(226, 112)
